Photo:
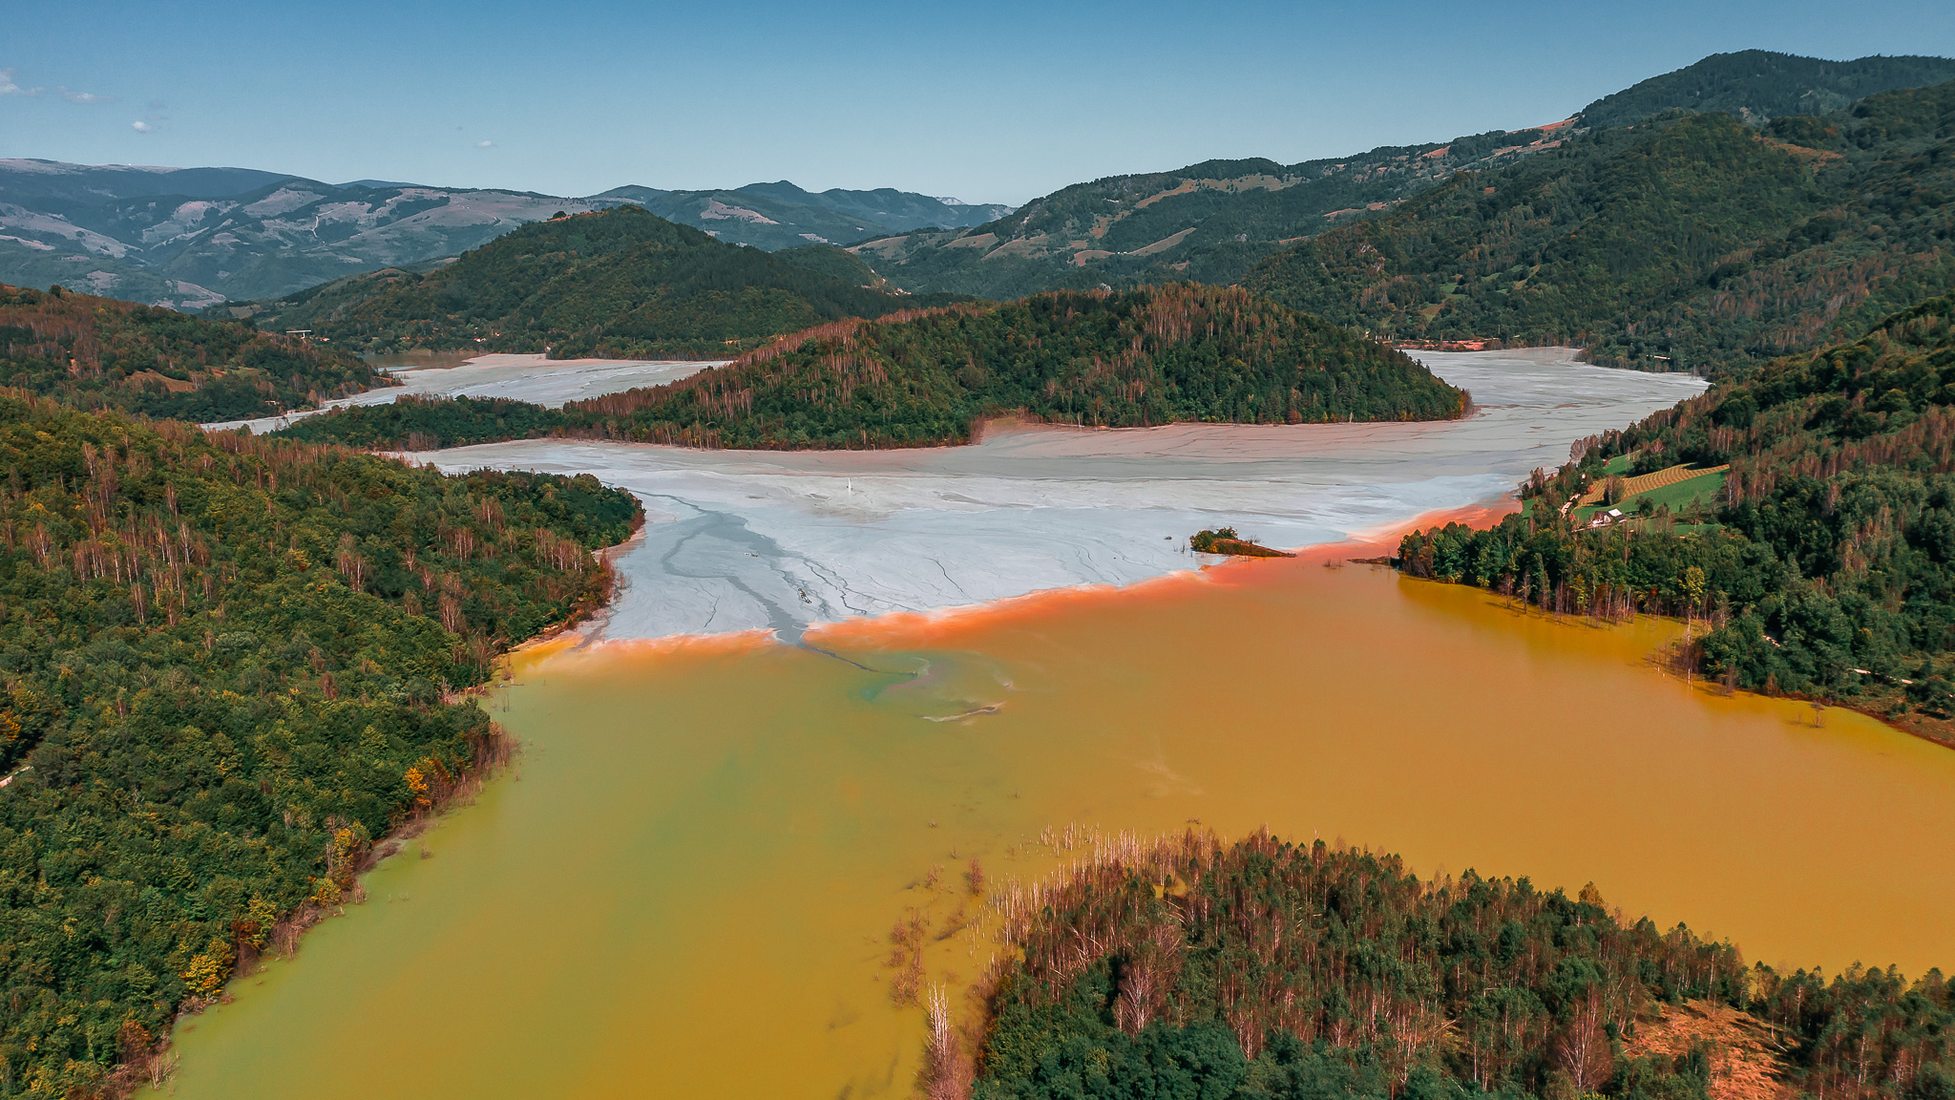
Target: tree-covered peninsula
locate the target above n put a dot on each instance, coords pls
(1155, 355)
(99, 353)
(229, 665)
(1262, 970)
(1818, 541)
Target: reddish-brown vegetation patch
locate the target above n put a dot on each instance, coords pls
(1743, 1049)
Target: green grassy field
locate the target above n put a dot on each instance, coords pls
(1677, 496)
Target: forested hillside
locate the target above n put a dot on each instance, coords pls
(1116, 359)
(1759, 85)
(621, 283)
(1825, 560)
(1215, 221)
(1263, 969)
(1691, 241)
(225, 671)
(1210, 221)
(1121, 359)
(103, 354)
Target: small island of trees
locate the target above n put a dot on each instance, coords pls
(1225, 540)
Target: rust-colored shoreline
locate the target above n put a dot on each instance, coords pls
(922, 627)
(951, 623)
(947, 626)
(1913, 724)
(574, 629)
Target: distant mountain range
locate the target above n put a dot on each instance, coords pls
(1741, 207)
(1214, 221)
(781, 215)
(194, 237)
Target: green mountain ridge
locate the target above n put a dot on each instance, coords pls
(781, 215)
(622, 283)
(1689, 241)
(1759, 85)
(1209, 222)
(1216, 221)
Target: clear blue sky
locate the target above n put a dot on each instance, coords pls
(990, 101)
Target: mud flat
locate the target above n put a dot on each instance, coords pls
(742, 540)
(531, 378)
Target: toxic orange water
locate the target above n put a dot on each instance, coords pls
(687, 887)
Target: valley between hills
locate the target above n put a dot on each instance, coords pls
(466, 642)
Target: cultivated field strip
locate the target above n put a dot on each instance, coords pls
(1643, 483)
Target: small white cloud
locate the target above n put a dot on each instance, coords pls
(485, 143)
(7, 85)
(74, 96)
(142, 127)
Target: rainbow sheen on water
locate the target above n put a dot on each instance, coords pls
(686, 887)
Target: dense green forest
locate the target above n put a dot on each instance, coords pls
(1262, 970)
(226, 669)
(622, 283)
(928, 377)
(1692, 241)
(103, 354)
(417, 423)
(1825, 565)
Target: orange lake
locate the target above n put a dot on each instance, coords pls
(685, 885)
